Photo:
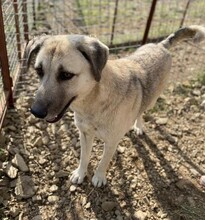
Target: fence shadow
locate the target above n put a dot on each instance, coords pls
(165, 187)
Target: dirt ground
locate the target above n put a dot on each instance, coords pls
(153, 176)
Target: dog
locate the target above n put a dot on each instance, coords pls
(107, 97)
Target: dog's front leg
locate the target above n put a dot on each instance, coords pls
(86, 141)
(99, 178)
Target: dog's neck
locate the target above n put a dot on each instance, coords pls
(100, 97)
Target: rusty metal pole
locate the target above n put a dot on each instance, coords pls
(25, 20)
(149, 21)
(16, 16)
(34, 13)
(7, 80)
(113, 23)
(184, 14)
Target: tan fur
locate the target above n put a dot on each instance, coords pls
(108, 97)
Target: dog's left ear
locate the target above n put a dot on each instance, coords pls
(33, 48)
(96, 53)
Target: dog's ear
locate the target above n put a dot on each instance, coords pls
(95, 52)
(33, 48)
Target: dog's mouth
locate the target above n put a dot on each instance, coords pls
(60, 115)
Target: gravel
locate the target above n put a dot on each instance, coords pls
(159, 175)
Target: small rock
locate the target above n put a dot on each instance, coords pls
(203, 103)
(4, 182)
(76, 154)
(61, 173)
(78, 144)
(74, 141)
(13, 183)
(3, 155)
(11, 127)
(37, 217)
(12, 150)
(72, 188)
(87, 206)
(11, 171)
(202, 180)
(121, 149)
(183, 184)
(14, 211)
(84, 201)
(52, 146)
(45, 140)
(191, 201)
(24, 187)
(140, 215)
(20, 163)
(38, 142)
(64, 146)
(194, 172)
(42, 160)
(53, 199)
(4, 192)
(21, 216)
(172, 139)
(161, 214)
(36, 198)
(162, 121)
(108, 205)
(180, 199)
(196, 92)
(53, 188)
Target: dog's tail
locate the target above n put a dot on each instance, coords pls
(195, 32)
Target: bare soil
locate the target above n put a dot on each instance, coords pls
(153, 176)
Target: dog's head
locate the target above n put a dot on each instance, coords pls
(68, 68)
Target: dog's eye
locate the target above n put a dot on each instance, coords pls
(63, 75)
(39, 71)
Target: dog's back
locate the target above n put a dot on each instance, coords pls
(155, 62)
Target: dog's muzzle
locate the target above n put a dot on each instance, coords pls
(40, 111)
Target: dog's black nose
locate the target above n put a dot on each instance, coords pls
(39, 111)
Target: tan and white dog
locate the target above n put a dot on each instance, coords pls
(108, 97)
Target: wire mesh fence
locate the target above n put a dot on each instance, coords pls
(120, 24)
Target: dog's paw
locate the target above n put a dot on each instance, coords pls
(77, 176)
(99, 180)
(138, 131)
(138, 126)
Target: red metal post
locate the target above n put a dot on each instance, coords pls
(149, 21)
(25, 20)
(184, 14)
(7, 80)
(15, 5)
(113, 23)
(34, 14)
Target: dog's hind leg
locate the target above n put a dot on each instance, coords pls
(86, 141)
(138, 126)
